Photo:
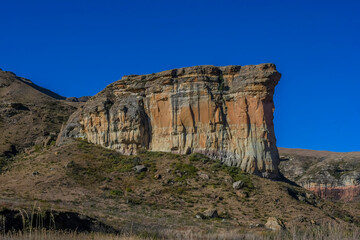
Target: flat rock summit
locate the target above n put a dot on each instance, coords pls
(223, 112)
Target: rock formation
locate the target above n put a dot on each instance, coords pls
(331, 175)
(223, 112)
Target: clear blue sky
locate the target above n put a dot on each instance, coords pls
(76, 48)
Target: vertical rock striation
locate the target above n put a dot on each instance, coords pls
(223, 112)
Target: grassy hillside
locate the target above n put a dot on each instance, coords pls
(174, 189)
(29, 115)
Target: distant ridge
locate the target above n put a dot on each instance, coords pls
(29, 114)
(43, 90)
(33, 85)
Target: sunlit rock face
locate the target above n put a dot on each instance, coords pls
(225, 113)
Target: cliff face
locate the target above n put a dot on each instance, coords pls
(222, 112)
(331, 175)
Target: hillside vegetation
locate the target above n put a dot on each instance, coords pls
(170, 192)
(29, 115)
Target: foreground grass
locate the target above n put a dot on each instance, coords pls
(61, 235)
(330, 232)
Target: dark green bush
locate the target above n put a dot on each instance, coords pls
(198, 157)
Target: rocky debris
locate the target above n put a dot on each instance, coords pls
(225, 113)
(80, 99)
(140, 168)
(303, 196)
(274, 224)
(49, 140)
(157, 176)
(330, 175)
(301, 219)
(256, 225)
(179, 173)
(238, 185)
(200, 216)
(204, 176)
(168, 182)
(211, 213)
(313, 222)
(242, 194)
(309, 195)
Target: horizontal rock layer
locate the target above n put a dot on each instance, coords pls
(223, 112)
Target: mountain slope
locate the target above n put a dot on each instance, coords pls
(29, 114)
(149, 192)
(168, 194)
(332, 175)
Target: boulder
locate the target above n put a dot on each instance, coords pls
(200, 216)
(157, 176)
(140, 168)
(204, 176)
(211, 213)
(274, 224)
(238, 185)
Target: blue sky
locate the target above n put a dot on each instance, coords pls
(76, 48)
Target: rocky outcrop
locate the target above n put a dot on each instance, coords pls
(80, 99)
(274, 224)
(331, 175)
(223, 112)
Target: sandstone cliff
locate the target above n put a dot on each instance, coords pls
(222, 112)
(332, 175)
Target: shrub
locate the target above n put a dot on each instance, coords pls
(239, 175)
(198, 157)
(186, 171)
(141, 176)
(116, 193)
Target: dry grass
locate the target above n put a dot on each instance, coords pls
(58, 235)
(101, 184)
(329, 232)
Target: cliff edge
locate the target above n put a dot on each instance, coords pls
(223, 112)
